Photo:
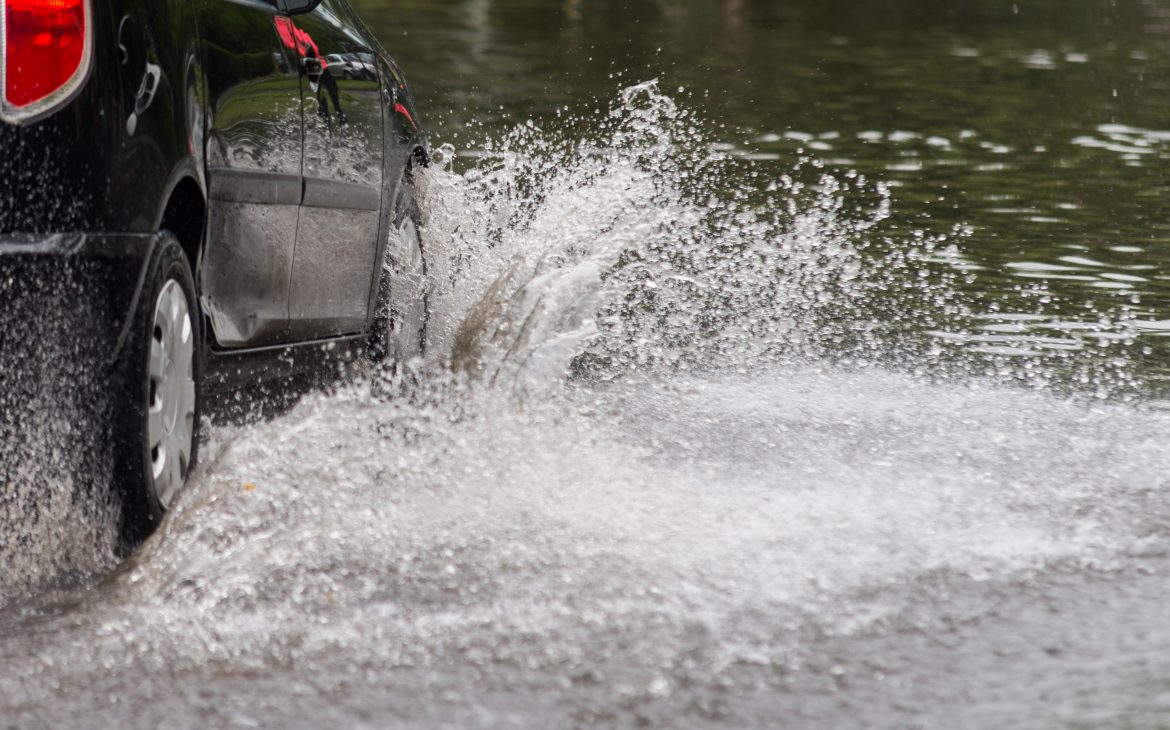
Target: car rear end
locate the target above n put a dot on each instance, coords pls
(81, 185)
(82, 191)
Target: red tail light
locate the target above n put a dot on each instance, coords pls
(46, 54)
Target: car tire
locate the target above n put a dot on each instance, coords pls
(157, 416)
(398, 333)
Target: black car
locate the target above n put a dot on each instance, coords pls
(219, 198)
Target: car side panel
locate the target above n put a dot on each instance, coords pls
(338, 235)
(253, 152)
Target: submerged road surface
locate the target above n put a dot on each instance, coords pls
(791, 549)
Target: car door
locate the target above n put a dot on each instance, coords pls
(336, 250)
(254, 152)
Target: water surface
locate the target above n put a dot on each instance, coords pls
(817, 382)
(1031, 134)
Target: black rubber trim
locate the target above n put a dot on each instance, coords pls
(254, 186)
(335, 194)
(278, 188)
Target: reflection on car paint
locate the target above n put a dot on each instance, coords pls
(344, 121)
(254, 147)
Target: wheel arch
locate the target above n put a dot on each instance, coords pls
(184, 213)
(417, 155)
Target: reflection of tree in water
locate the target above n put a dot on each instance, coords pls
(316, 67)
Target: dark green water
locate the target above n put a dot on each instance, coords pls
(1037, 130)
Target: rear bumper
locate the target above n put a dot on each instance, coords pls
(69, 293)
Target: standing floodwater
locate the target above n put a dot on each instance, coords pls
(668, 479)
(830, 397)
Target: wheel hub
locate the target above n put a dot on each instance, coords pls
(170, 426)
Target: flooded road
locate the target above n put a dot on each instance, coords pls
(801, 407)
(818, 546)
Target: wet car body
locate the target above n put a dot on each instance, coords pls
(220, 123)
(350, 66)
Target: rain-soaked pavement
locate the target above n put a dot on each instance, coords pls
(604, 514)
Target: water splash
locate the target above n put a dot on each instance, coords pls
(57, 517)
(643, 247)
(592, 517)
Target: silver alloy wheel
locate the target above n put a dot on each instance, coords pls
(170, 420)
